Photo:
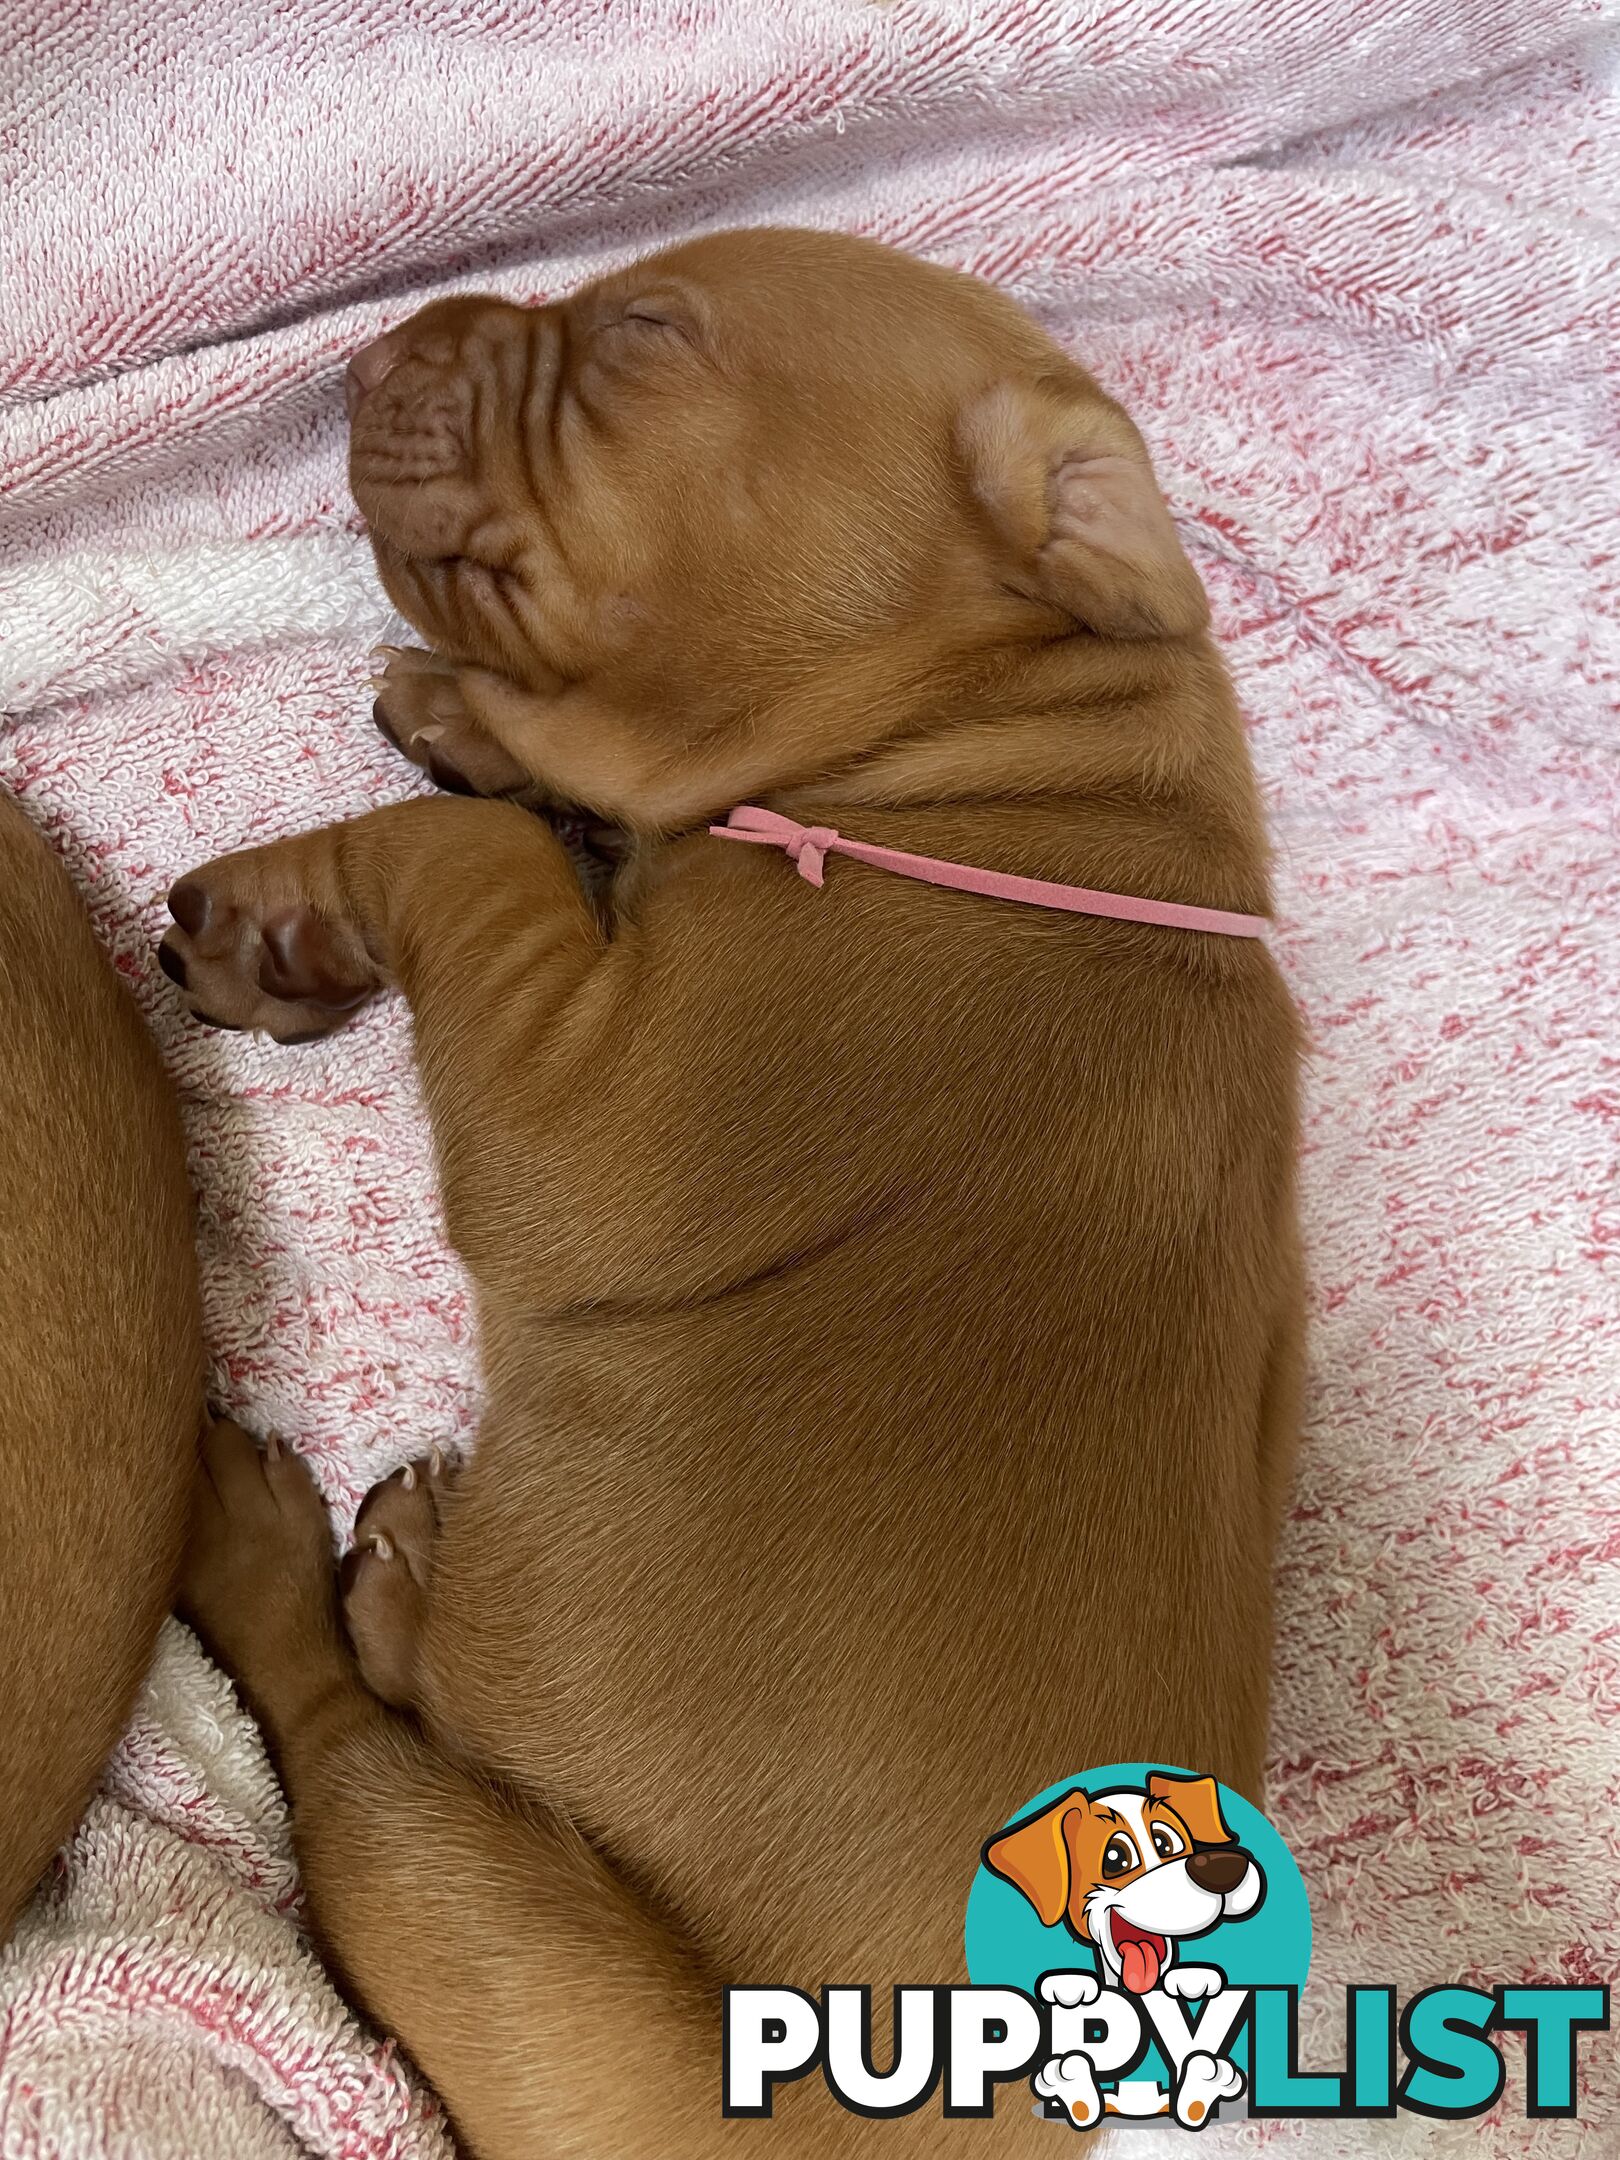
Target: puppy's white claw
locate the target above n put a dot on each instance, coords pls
(1073, 1990)
(382, 1545)
(436, 1463)
(407, 1478)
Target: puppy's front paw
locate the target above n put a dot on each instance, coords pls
(251, 950)
(423, 709)
(1070, 2081)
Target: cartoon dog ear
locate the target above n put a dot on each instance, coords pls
(1197, 1801)
(1068, 484)
(1033, 1856)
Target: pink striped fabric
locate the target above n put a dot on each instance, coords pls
(1354, 266)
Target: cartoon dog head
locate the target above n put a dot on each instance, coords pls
(1131, 1872)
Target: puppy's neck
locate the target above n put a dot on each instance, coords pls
(1116, 765)
(1074, 721)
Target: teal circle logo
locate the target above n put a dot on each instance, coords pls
(1042, 1898)
(1133, 1902)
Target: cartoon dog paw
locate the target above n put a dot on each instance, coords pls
(1072, 2083)
(1070, 1990)
(1203, 2084)
(1192, 1983)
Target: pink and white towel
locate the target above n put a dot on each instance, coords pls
(1355, 266)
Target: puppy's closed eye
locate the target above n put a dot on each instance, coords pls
(648, 320)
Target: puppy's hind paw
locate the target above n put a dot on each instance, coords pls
(385, 1580)
(257, 1578)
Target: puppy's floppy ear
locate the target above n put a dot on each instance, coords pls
(1033, 1855)
(1069, 487)
(1197, 1801)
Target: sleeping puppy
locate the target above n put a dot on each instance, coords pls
(889, 1296)
(101, 1368)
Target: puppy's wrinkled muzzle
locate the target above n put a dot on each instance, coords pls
(369, 365)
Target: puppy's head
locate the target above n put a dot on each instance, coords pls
(756, 496)
(1131, 1872)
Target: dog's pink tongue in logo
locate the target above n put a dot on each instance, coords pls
(1141, 1954)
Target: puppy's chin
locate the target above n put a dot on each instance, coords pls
(423, 604)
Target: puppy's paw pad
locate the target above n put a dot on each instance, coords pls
(250, 952)
(303, 960)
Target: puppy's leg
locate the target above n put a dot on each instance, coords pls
(522, 1976)
(476, 912)
(546, 1050)
(295, 937)
(554, 2013)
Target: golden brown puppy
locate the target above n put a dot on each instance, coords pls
(100, 1356)
(889, 1297)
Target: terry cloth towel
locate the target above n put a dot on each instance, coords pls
(1353, 266)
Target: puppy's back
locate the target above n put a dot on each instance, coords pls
(100, 1355)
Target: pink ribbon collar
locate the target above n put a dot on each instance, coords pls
(808, 846)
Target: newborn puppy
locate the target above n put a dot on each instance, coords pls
(889, 1296)
(101, 1390)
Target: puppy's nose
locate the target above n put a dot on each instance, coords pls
(368, 367)
(1219, 1870)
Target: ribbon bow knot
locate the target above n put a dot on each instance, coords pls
(805, 846)
(807, 851)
